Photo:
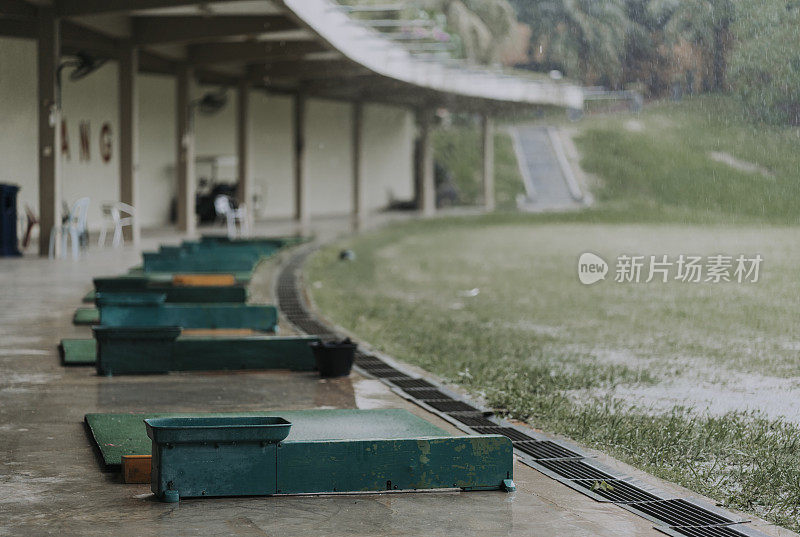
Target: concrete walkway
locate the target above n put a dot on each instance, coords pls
(544, 170)
(50, 479)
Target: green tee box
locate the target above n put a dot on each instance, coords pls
(201, 262)
(78, 351)
(174, 293)
(326, 451)
(149, 309)
(266, 248)
(86, 316)
(146, 350)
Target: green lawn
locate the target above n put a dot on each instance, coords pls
(570, 359)
(661, 158)
(696, 383)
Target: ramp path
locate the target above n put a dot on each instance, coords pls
(549, 184)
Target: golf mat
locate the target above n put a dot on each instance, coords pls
(116, 435)
(86, 316)
(88, 298)
(78, 351)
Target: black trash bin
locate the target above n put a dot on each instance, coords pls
(334, 358)
(8, 220)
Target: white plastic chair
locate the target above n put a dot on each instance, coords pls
(112, 214)
(224, 208)
(72, 227)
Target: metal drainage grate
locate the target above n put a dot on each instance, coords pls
(366, 361)
(544, 450)
(452, 406)
(474, 420)
(412, 383)
(679, 512)
(428, 394)
(616, 490)
(570, 469)
(712, 531)
(510, 432)
(674, 516)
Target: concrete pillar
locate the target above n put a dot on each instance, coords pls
(357, 214)
(427, 186)
(129, 136)
(300, 204)
(48, 55)
(184, 160)
(245, 188)
(487, 143)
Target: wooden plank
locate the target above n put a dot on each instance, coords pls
(136, 468)
(203, 280)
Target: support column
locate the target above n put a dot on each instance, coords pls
(184, 161)
(357, 214)
(300, 204)
(487, 140)
(48, 55)
(245, 188)
(129, 137)
(427, 187)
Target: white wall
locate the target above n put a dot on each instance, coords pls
(388, 155)
(271, 146)
(157, 148)
(19, 163)
(329, 135)
(388, 139)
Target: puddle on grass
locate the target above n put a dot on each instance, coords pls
(710, 393)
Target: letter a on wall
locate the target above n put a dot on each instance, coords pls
(85, 135)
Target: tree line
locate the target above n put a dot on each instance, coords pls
(748, 47)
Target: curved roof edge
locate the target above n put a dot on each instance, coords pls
(365, 47)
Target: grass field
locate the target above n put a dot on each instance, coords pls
(698, 383)
(621, 367)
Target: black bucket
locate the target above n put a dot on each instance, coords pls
(334, 358)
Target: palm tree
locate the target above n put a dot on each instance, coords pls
(704, 23)
(585, 37)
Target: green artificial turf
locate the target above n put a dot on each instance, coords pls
(78, 351)
(86, 316)
(124, 434)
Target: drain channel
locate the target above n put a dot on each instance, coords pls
(677, 517)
